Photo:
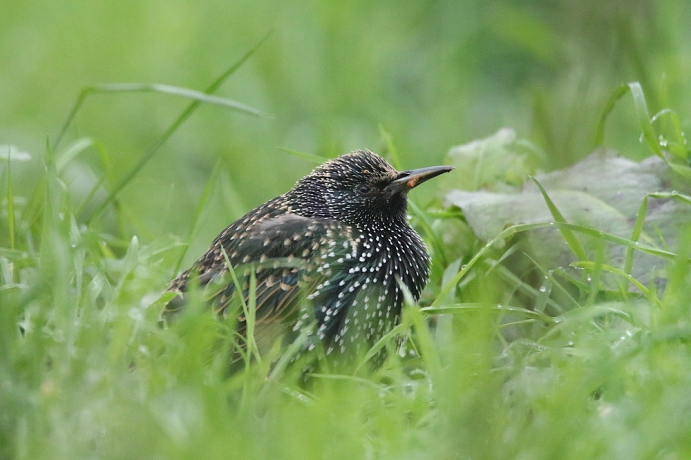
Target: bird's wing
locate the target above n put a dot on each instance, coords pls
(283, 252)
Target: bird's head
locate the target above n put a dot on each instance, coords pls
(360, 187)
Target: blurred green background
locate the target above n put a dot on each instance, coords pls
(433, 73)
(607, 378)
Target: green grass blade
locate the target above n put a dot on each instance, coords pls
(679, 148)
(640, 219)
(617, 94)
(75, 108)
(390, 147)
(316, 159)
(431, 235)
(235, 66)
(673, 195)
(555, 283)
(526, 289)
(194, 224)
(197, 96)
(572, 227)
(681, 169)
(608, 268)
(455, 308)
(248, 307)
(33, 211)
(568, 236)
(71, 152)
(200, 96)
(644, 118)
(10, 199)
(641, 112)
(645, 122)
(381, 343)
(250, 316)
(424, 338)
(621, 241)
(582, 315)
(636, 234)
(213, 87)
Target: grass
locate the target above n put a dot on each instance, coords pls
(495, 366)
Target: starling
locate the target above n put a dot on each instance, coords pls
(328, 257)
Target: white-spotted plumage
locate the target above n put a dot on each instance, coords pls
(340, 245)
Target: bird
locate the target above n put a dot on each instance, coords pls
(330, 259)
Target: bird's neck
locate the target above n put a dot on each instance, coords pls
(387, 222)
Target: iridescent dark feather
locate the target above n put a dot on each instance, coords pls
(327, 255)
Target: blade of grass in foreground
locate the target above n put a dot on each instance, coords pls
(248, 309)
(424, 339)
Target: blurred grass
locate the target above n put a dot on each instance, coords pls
(433, 74)
(498, 367)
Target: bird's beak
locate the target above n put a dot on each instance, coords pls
(408, 180)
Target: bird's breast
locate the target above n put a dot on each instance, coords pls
(361, 293)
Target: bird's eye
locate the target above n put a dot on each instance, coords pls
(364, 189)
